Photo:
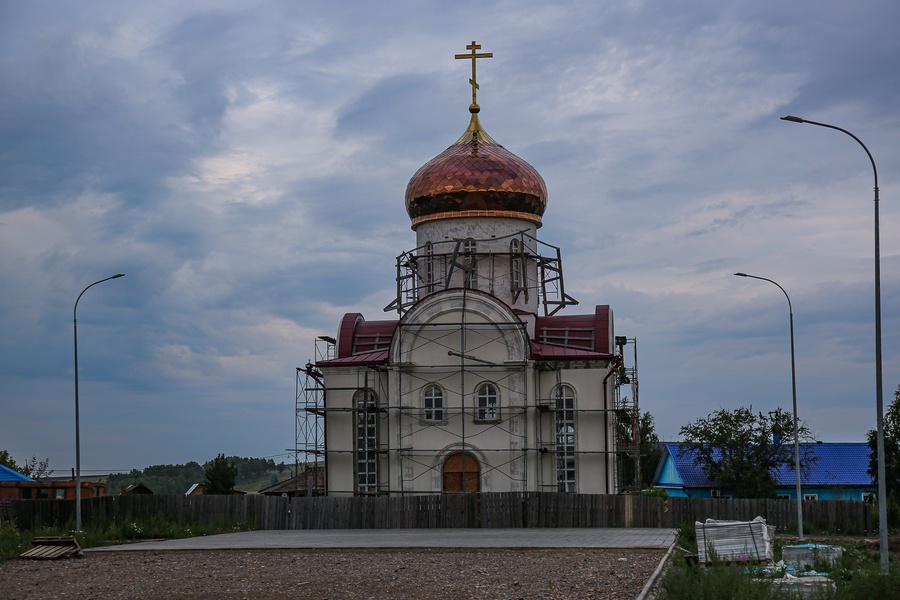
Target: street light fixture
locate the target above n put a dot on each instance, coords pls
(879, 391)
(794, 393)
(77, 428)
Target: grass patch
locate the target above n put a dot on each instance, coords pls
(857, 576)
(15, 541)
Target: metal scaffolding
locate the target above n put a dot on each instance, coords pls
(627, 415)
(431, 267)
(309, 408)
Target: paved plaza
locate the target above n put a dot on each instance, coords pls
(415, 538)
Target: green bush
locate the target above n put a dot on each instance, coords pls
(686, 537)
(12, 541)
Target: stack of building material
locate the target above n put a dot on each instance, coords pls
(805, 557)
(734, 541)
(816, 586)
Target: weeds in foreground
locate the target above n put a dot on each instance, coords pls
(714, 583)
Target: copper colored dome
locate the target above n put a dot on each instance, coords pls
(476, 177)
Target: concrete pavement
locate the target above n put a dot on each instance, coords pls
(414, 538)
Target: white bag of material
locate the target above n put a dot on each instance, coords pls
(734, 541)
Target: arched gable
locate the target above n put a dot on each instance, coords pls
(459, 324)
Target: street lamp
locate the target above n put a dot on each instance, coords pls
(794, 391)
(77, 428)
(879, 395)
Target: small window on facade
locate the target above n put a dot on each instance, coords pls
(566, 479)
(810, 496)
(782, 497)
(471, 262)
(429, 267)
(488, 402)
(868, 497)
(59, 494)
(434, 403)
(515, 266)
(516, 272)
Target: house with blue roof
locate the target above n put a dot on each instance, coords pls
(7, 474)
(16, 486)
(10, 480)
(836, 471)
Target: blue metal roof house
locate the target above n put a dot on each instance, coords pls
(7, 474)
(837, 473)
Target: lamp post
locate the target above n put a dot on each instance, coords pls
(794, 395)
(879, 395)
(77, 428)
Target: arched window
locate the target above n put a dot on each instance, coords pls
(488, 402)
(366, 404)
(566, 480)
(433, 400)
(470, 247)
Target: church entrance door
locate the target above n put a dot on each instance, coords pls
(462, 473)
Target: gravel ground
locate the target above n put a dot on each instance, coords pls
(334, 574)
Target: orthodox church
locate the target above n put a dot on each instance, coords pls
(480, 383)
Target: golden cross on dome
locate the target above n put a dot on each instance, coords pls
(474, 56)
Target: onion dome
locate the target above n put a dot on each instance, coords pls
(476, 177)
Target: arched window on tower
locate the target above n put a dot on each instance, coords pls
(366, 404)
(433, 401)
(488, 401)
(566, 480)
(470, 247)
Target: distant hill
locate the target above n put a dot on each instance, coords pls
(253, 475)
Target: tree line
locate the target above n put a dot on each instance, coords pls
(234, 472)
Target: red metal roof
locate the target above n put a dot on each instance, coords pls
(585, 333)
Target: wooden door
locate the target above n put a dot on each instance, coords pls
(462, 473)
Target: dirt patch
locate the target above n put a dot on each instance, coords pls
(327, 574)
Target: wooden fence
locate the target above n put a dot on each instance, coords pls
(488, 510)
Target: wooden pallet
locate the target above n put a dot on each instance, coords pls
(55, 546)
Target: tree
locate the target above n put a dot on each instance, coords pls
(648, 448)
(740, 450)
(891, 449)
(34, 468)
(220, 476)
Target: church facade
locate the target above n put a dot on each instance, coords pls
(482, 383)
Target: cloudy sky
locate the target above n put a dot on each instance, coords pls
(244, 164)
